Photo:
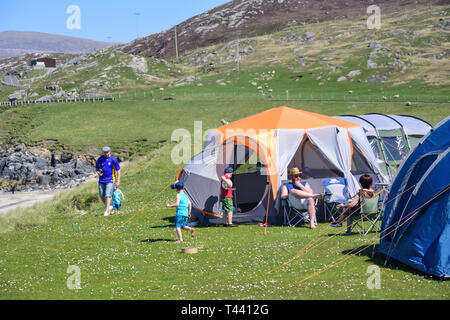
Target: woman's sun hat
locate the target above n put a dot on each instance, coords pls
(294, 172)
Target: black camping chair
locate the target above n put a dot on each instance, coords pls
(292, 216)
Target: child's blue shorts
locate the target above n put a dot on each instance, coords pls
(116, 206)
(181, 221)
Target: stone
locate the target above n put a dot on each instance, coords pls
(296, 50)
(375, 44)
(375, 79)
(138, 64)
(93, 92)
(41, 163)
(53, 87)
(354, 73)
(247, 50)
(65, 157)
(371, 64)
(309, 35)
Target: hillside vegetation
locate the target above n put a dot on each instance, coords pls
(330, 57)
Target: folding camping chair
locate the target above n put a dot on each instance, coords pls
(369, 214)
(335, 193)
(293, 215)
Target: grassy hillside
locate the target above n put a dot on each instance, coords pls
(132, 126)
(406, 56)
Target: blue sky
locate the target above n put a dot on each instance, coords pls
(103, 20)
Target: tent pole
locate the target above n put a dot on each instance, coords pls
(233, 190)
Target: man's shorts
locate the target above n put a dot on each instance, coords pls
(116, 206)
(227, 205)
(181, 221)
(301, 204)
(105, 189)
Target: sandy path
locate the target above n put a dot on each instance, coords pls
(9, 201)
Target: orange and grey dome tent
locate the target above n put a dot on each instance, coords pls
(261, 149)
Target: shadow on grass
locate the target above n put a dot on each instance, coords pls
(170, 219)
(157, 240)
(381, 260)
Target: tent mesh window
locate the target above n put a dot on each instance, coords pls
(360, 163)
(307, 156)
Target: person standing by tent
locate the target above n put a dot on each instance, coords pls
(108, 170)
(300, 195)
(226, 193)
(184, 206)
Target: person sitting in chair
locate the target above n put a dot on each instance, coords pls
(366, 192)
(300, 195)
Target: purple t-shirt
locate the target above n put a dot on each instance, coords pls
(109, 166)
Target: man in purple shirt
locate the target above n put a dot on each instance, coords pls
(108, 170)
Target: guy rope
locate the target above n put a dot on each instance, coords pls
(142, 209)
(354, 252)
(315, 242)
(122, 227)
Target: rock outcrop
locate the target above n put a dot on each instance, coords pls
(22, 169)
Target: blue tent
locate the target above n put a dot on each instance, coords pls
(416, 222)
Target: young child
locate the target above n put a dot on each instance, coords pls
(117, 199)
(226, 194)
(366, 192)
(184, 206)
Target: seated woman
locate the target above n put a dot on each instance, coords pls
(300, 195)
(366, 192)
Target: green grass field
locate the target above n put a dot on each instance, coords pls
(131, 257)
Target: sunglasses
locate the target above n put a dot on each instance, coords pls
(297, 176)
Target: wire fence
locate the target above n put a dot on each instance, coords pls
(287, 95)
(26, 102)
(236, 94)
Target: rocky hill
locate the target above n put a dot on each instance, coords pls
(82, 75)
(411, 42)
(248, 18)
(15, 43)
(333, 57)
